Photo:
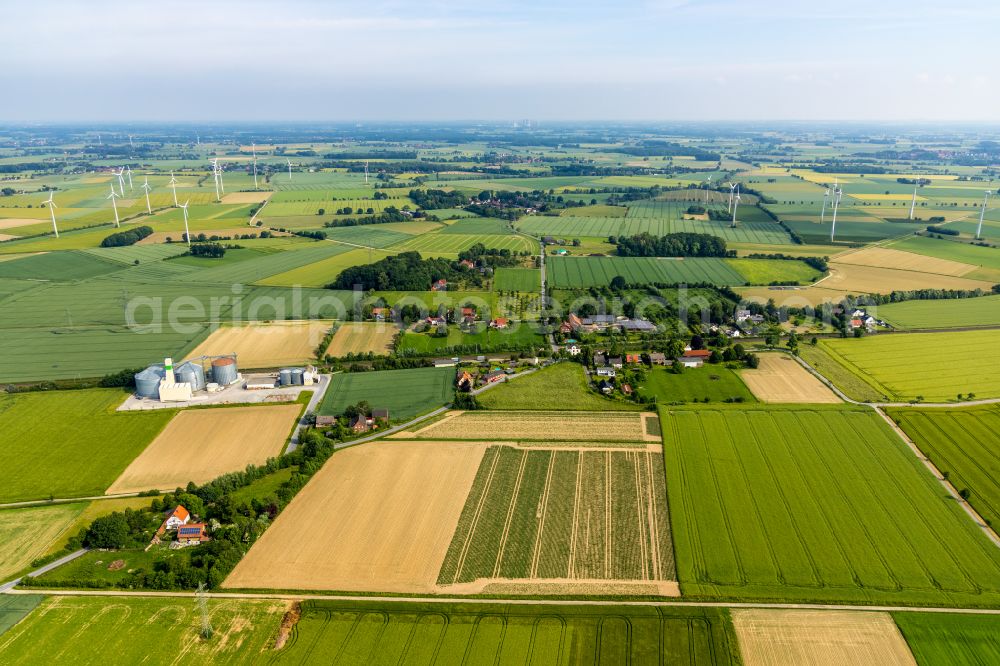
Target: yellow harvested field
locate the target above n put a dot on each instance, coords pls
(266, 345)
(162, 236)
(201, 444)
(898, 259)
(27, 534)
(7, 237)
(546, 426)
(770, 637)
(886, 197)
(780, 378)
(362, 338)
(17, 222)
(377, 518)
(847, 279)
(246, 197)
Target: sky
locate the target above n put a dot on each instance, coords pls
(544, 60)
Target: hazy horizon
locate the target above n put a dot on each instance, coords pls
(384, 61)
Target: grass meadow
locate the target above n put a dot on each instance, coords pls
(575, 272)
(819, 504)
(69, 443)
(714, 382)
(560, 386)
(950, 313)
(406, 393)
(942, 639)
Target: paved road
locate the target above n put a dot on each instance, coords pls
(318, 393)
(8, 586)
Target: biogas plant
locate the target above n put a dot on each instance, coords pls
(164, 382)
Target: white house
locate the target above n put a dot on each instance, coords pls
(606, 372)
(574, 350)
(177, 517)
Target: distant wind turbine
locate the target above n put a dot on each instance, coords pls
(187, 233)
(215, 175)
(52, 212)
(121, 181)
(913, 201)
(289, 168)
(982, 214)
(708, 188)
(128, 170)
(253, 151)
(130, 144)
(837, 193)
(366, 172)
(146, 188)
(114, 196)
(736, 204)
(173, 186)
(732, 186)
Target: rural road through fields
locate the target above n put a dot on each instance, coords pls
(511, 601)
(324, 384)
(8, 586)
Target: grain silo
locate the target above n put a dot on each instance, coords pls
(147, 382)
(285, 377)
(191, 373)
(224, 370)
(297, 376)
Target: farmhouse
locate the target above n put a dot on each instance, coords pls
(380, 414)
(325, 421)
(573, 349)
(359, 423)
(698, 353)
(179, 516)
(499, 323)
(632, 358)
(657, 358)
(465, 381)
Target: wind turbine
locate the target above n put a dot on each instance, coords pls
(736, 204)
(913, 201)
(128, 170)
(982, 213)
(366, 172)
(822, 212)
(114, 196)
(52, 212)
(222, 185)
(732, 186)
(253, 150)
(187, 234)
(121, 181)
(146, 188)
(708, 188)
(289, 168)
(173, 186)
(215, 175)
(130, 144)
(837, 193)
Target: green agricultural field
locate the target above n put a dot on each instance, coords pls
(370, 235)
(947, 313)
(95, 509)
(863, 229)
(96, 630)
(14, 608)
(517, 279)
(942, 639)
(560, 386)
(572, 272)
(770, 271)
(936, 366)
(819, 504)
(406, 393)
(539, 499)
(966, 253)
(444, 244)
(966, 444)
(58, 266)
(715, 382)
(853, 386)
(69, 443)
(324, 271)
(490, 226)
(478, 633)
(27, 534)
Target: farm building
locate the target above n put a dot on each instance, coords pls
(359, 423)
(380, 415)
(192, 534)
(657, 358)
(179, 516)
(690, 361)
(465, 381)
(606, 372)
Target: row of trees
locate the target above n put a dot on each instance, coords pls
(407, 271)
(127, 237)
(681, 244)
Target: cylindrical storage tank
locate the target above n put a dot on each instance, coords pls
(191, 373)
(297, 376)
(147, 382)
(285, 377)
(224, 370)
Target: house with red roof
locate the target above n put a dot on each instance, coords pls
(179, 516)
